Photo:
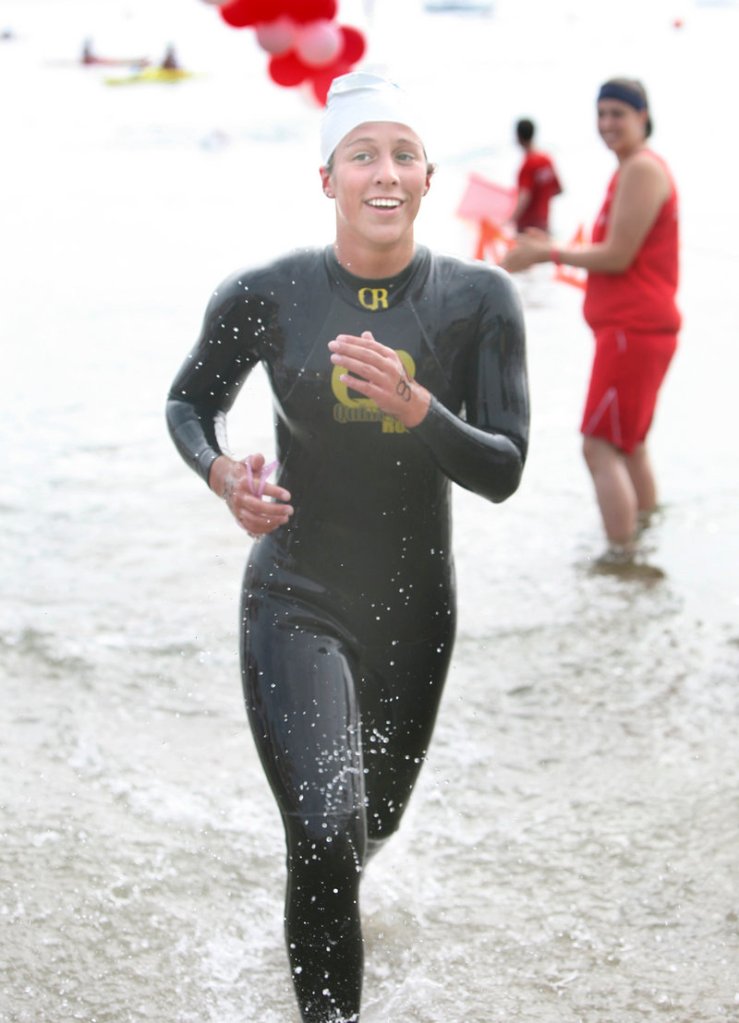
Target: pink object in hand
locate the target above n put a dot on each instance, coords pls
(257, 485)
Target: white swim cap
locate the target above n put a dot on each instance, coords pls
(362, 96)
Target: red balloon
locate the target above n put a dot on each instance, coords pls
(247, 13)
(237, 13)
(352, 51)
(354, 45)
(321, 80)
(303, 11)
(287, 69)
(269, 10)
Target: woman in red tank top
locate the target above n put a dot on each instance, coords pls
(632, 264)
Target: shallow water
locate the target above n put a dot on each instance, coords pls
(570, 853)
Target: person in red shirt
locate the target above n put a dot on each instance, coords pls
(538, 182)
(632, 264)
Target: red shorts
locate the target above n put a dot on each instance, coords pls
(628, 369)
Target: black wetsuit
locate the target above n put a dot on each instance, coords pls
(349, 609)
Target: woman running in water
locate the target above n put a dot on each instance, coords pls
(394, 372)
(632, 266)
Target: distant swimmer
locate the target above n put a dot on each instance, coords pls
(630, 304)
(87, 56)
(538, 182)
(170, 61)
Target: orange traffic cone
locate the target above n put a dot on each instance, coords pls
(492, 242)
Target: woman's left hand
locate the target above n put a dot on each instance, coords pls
(376, 371)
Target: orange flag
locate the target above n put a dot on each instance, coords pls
(489, 205)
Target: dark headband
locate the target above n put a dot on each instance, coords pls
(613, 90)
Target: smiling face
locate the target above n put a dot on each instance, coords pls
(378, 175)
(622, 128)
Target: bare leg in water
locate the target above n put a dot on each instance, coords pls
(640, 470)
(624, 487)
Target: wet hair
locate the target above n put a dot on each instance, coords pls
(631, 91)
(525, 130)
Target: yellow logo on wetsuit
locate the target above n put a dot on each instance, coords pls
(365, 410)
(373, 298)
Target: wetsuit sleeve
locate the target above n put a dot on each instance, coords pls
(210, 378)
(485, 451)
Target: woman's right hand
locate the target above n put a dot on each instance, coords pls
(258, 507)
(532, 246)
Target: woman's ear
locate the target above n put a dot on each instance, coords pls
(326, 182)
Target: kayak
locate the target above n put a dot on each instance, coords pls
(152, 75)
(114, 62)
(128, 62)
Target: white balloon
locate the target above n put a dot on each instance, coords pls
(319, 42)
(276, 36)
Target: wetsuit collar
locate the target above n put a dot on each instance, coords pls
(374, 293)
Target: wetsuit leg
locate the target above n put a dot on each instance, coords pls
(300, 697)
(342, 736)
(399, 698)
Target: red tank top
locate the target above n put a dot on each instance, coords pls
(642, 298)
